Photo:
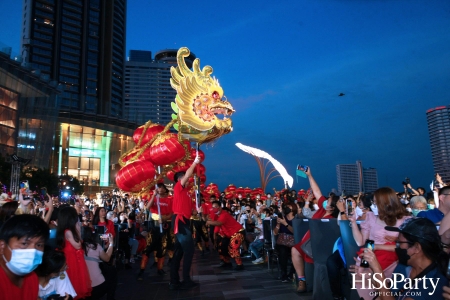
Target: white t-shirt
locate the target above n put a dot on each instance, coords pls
(57, 286)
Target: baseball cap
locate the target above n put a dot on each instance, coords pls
(422, 228)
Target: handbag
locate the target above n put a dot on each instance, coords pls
(285, 239)
(307, 248)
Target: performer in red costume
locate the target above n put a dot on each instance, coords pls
(156, 240)
(232, 236)
(184, 243)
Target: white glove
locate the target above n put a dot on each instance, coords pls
(197, 160)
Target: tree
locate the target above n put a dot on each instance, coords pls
(39, 178)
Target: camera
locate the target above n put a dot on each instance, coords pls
(406, 182)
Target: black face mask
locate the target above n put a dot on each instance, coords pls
(403, 256)
(287, 211)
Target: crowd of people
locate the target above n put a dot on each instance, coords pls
(71, 250)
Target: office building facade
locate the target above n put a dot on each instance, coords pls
(148, 92)
(80, 44)
(353, 178)
(438, 120)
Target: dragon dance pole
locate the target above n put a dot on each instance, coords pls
(157, 202)
(197, 181)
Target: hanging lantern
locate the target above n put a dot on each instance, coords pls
(151, 131)
(166, 150)
(135, 176)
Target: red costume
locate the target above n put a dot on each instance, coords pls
(231, 230)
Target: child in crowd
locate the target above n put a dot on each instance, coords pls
(69, 240)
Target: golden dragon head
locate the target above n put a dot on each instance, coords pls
(199, 100)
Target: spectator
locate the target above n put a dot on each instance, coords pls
(387, 211)
(419, 256)
(53, 279)
(7, 211)
(101, 220)
(285, 230)
(418, 204)
(22, 240)
(68, 238)
(363, 207)
(299, 256)
(437, 214)
(103, 281)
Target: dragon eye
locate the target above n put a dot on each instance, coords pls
(215, 95)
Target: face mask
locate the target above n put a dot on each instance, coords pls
(258, 197)
(115, 220)
(403, 256)
(430, 206)
(415, 212)
(359, 211)
(287, 211)
(87, 203)
(324, 204)
(316, 207)
(263, 216)
(24, 261)
(122, 218)
(374, 208)
(141, 205)
(240, 196)
(215, 210)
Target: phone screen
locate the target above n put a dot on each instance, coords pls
(349, 207)
(43, 192)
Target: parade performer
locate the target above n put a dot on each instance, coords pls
(158, 241)
(199, 230)
(232, 236)
(184, 244)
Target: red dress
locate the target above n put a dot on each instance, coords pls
(77, 271)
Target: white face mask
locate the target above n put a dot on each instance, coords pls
(87, 203)
(122, 218)
(23, 261)
(316, 207)
(359, 211)
(115, 220)
(141, 205)
(374, 208)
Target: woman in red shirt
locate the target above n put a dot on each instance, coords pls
(101, 220)
(330, 211)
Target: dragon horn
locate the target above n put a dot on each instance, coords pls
(182, 53)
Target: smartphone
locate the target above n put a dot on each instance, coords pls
(369, 244)
(302, 168)
(43, 191)
(24, 185)
(86, 213)
(349, 207)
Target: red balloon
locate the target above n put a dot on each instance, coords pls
(166, 150)
(135, 176)
(152, 130)
(170, 175)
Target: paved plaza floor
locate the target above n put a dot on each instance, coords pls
(255, 282)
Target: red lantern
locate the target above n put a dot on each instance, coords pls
(240, 190)
(230, 188)
(151, 131)
(247, 190)
(135, 176)
(166, 150)
(170, 175)
(193, 154)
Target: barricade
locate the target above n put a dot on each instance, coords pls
(350, 249)
(269, 240)
(301, 226)
(324, 234)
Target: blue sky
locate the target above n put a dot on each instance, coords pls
(283, 65)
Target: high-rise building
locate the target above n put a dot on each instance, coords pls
(80, 44)
(148, 92)
(439, 130)
(353, 178)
